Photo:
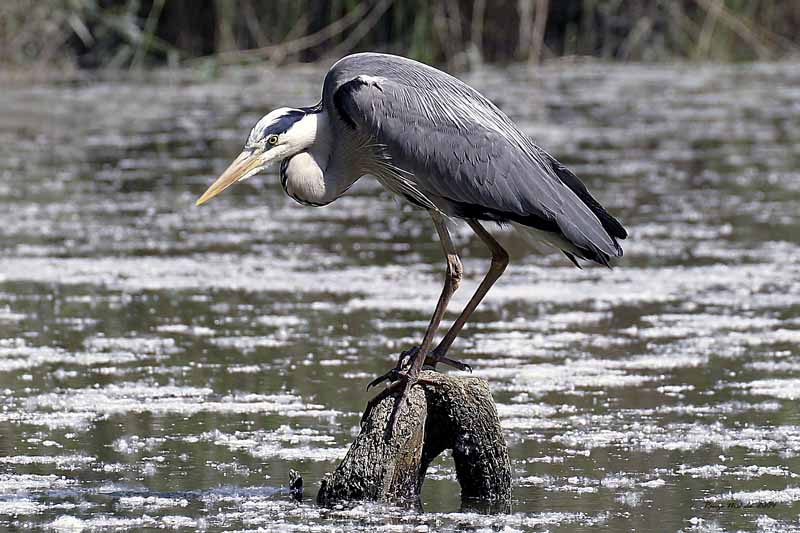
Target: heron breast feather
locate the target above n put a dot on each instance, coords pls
(304, 181)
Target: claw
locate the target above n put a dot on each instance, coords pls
(375, 400)
(398, 404)
(433, 359)
(455, 364)
(391, 375)
(402, 381)
(410, 353)
(399, 388)
(402, 362)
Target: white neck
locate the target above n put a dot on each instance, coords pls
(308, 131)
(318, 175)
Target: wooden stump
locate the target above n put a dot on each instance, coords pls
(456, 413)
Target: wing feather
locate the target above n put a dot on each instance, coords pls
(460, 149)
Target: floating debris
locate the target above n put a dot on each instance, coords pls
(164, 367)
(295, 485)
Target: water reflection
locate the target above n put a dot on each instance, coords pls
(163, 366)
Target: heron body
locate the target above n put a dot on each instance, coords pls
(441, 145)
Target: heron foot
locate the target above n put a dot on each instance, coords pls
(432, 360)
(408, 356)
(436, 357)
(400, 386)
(403, 363)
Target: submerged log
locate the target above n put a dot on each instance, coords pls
(454, 413)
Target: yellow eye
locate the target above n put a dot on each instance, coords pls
(272, 140)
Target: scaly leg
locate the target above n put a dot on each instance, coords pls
(407, 379)
(437, 355)
(496, 269)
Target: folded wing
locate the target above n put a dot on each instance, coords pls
(465, 154)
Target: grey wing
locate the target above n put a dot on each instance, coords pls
(464, 153)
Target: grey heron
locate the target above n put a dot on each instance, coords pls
(438, 143)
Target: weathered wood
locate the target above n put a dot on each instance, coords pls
(447, 413)
(462, 417)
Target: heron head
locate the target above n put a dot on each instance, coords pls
(279, 135)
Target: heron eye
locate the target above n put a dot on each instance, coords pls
(272, 140)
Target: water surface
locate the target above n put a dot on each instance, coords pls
(163, 366)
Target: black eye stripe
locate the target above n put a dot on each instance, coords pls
(284, 123)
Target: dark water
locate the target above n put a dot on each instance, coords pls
(164, 366)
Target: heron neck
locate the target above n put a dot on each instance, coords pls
(322, 172)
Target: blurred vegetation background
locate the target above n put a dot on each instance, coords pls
(102, 34)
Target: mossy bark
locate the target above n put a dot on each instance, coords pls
(448, 412)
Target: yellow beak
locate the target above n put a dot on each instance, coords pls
(242, 168)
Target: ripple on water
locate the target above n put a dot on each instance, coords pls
(92, 404)
(686, 437)
(198, 345)
(284, 443)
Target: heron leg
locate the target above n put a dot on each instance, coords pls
(408, 378)
(392, 373)
(451, 282)
(496, 269)
(404, 362)
(430, 361)
(398, 385)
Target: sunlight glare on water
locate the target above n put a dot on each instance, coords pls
(164, 366)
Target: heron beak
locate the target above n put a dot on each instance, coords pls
(243, 167)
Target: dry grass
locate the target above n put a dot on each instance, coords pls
(64, 34)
